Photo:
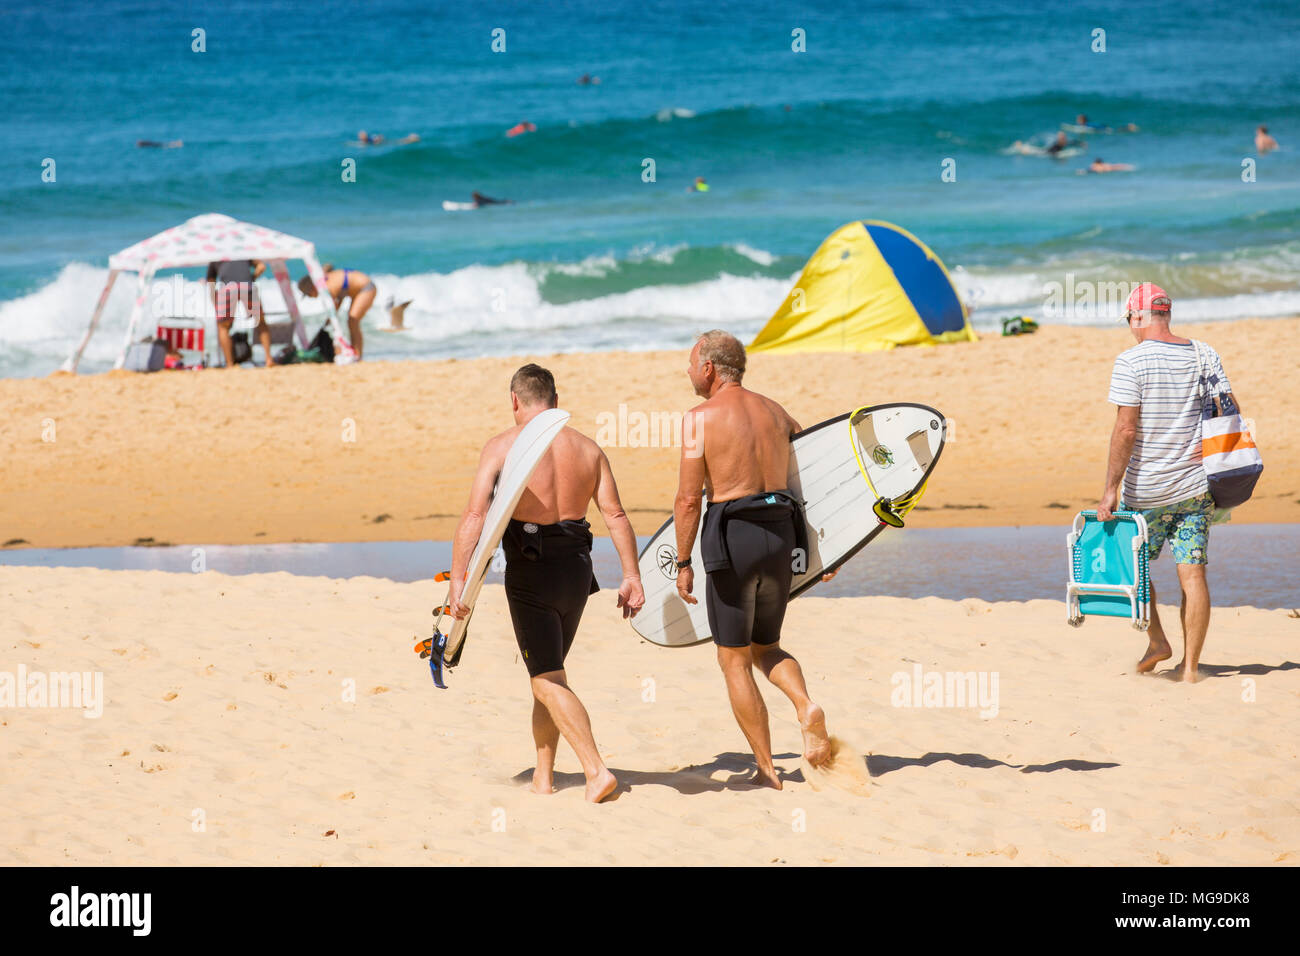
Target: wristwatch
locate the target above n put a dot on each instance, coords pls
(683, 565)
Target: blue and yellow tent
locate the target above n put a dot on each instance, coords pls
(869, 286)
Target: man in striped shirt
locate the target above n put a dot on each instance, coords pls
(1155, 448)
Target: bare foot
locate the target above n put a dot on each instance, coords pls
(542, 783)
(601, 787)
(764, 779)
(816, 742)
(1188, 675)
(1156, 652)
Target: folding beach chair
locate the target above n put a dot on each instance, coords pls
(1109, 570)
(187, 336)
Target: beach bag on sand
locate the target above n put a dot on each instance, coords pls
(240, 348)
(1232, 462)
(323, 344)
(147, 356)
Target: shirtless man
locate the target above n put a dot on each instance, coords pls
(741, 455)
(346, 283)
(1264, 143)
(548, 569)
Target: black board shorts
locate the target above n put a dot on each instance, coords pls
(548, 580)
(748, 547)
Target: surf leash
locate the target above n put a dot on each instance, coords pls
(888, 511)
(434, 648)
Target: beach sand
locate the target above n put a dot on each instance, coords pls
(227, 736)
(386, 450)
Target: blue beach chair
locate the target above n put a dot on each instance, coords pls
(1109, 572)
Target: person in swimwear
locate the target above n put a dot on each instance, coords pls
(480, 200)
(1100, 166)
(548, 569)
(739, 452)
(1264, 143)
(343, 284)
(375, 139)
(1058, 145)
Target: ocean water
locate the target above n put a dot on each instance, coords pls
(593, 257)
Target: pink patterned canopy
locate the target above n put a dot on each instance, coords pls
(199, 241)
(209, 238)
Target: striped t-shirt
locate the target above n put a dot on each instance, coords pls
(1162, 378)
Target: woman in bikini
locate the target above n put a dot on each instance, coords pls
(342, 284)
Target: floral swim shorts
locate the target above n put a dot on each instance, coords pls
(1185, 525)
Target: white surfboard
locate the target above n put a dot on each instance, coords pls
(451, 206)
(898, 445)
(525, 454)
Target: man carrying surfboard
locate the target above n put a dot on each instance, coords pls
(740, 455)
(548, 569)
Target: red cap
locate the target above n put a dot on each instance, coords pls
(1148, 297)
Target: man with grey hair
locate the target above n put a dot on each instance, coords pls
(741, 457)
(1155, 449)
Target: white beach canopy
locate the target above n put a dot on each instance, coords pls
(197, 242)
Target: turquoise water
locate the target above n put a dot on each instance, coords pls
(1251, 565)
(793, 145)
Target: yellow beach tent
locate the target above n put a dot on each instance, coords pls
(869, 286)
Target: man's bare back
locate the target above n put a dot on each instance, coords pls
(566, 479)
(744, 438)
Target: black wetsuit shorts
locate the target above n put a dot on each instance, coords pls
(548, 581)
(748, 548)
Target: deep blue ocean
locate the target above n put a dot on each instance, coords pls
(590, 256)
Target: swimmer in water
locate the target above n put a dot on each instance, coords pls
(1263, 142)
(1060, 144)
(375, 139)
(480, 200)
(699, 186)
(1099, 166)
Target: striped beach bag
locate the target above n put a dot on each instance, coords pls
(1232, 462)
